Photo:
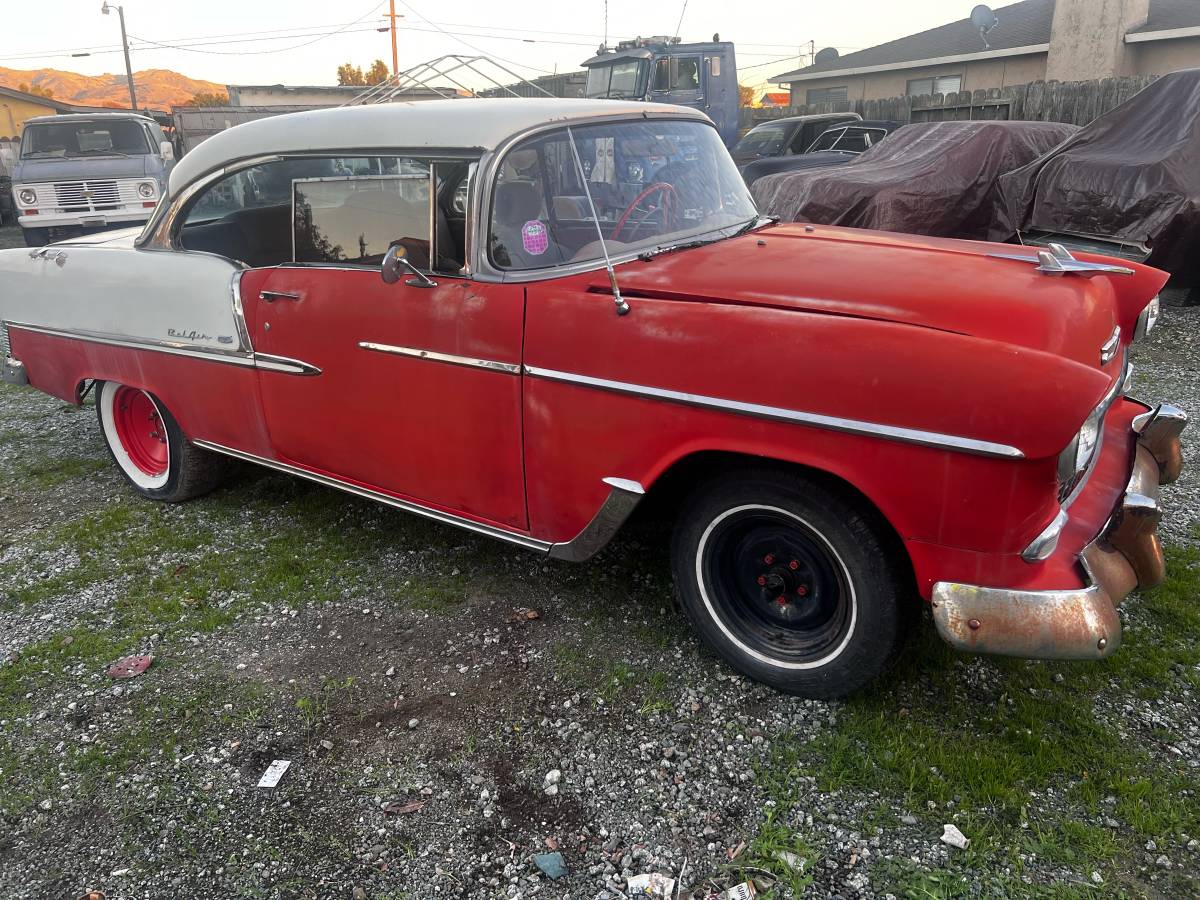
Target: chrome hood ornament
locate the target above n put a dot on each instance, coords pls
(1057, 260)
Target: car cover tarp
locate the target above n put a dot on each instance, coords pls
(935, 178)
(1133, 175)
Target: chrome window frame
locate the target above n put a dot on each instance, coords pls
(483, 201)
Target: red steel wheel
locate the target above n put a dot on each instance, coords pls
(141, 431)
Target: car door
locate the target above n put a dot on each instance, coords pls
(419, 389)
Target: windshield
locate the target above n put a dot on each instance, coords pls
(618, 81)
(765, 140)
(116, 138)
(653, 183)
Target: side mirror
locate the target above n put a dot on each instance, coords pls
(395, 262)
(167, 151)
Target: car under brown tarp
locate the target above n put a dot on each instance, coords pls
(935, 178)
(1130, 177)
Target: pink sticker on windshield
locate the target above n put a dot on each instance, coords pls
(535, 238)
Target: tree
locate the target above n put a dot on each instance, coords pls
(745, 95)
(209, 98)
(379, 72)
(36, 90)
(350, 74)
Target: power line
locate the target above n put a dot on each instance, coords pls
(409, 7)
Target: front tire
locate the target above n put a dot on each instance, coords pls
(794, 581)
(149, 447)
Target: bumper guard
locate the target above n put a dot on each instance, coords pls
(1078, 623)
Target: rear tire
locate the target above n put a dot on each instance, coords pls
(793, 580)
(150, 449)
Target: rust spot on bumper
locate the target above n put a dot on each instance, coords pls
(1077, 623)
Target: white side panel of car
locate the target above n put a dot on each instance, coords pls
(177, 299)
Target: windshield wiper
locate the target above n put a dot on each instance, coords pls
(37, 153)
(100, 152)
(701, 242)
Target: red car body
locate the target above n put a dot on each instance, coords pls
(937, 380)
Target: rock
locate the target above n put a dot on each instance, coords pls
(413, 723)
(955, 838)
(391, 672)
(1162, 862)
(551, 865)
(908, 819)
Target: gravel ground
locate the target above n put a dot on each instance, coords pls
(451, 708)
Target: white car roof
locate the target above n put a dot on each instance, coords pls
(466, 124)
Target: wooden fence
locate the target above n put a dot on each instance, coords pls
(1075, 102)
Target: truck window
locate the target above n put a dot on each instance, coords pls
(677, 73)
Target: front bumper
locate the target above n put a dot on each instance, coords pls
(1078, 623)
(105, 219)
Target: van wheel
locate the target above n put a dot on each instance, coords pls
(149, 448)
(792, 581)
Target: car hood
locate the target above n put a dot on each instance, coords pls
(39, 171)
(965, 287)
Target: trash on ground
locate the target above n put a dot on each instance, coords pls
(130, 666)
(92, 895)
(650, 884)
(955, 838)
(734, 852)
(401, 808)
(743, 891)
(551, 864)
(793, 861)
(274, 772)
(524, 613)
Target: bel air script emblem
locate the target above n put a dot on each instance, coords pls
(188, 335)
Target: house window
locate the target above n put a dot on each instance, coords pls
(943, 84)
(827, 95)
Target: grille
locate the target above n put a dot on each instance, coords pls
(5, 348)
(87, 196)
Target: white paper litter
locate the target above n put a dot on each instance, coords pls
(274, 772)
(955, 838)
(651, 884)
(743, 891)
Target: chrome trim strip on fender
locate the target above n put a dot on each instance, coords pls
(239, 313)
(779, 414)
(193, 351)
(622, 500)
(512, 537)
(451, 359)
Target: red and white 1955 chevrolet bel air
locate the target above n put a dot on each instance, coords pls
(523, 317)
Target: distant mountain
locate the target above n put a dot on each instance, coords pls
(156, 88)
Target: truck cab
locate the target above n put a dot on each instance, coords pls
(88, 172)
(702, 76)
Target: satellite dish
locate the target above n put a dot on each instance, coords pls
(829, 54)
(985, 20)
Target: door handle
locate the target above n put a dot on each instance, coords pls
(272, 296)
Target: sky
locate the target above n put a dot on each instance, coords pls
(273, 42)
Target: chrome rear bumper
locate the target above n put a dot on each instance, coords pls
(1080, 623)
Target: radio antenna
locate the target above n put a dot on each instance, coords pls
(622, 306)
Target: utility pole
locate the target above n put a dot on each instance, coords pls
(125, 44)
(392, 16)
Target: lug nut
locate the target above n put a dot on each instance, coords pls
(802, 590)
(762, 579)
(793, 565)
(769, 558)
(973, 624)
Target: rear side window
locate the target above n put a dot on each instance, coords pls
(356, 218)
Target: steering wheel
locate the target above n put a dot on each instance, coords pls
(671, 206)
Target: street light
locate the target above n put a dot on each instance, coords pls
(124, 43)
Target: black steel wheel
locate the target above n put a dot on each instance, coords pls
(792, 580)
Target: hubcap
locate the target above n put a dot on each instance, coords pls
(141, 430)
(777, 584)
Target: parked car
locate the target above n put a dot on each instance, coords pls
(833, 147)
(89, 172)
(462, 324)
(785, 137)
(1128, 184)
(934, 178)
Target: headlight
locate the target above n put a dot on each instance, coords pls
(1078, 455)
(147, 190)
(1148, 319)
(27, 196)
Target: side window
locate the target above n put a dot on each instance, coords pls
(342, 210)
(662, 75)
(676, 73)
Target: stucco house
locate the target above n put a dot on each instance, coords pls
(1034, 40)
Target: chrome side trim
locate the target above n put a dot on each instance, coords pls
(779, 414)
(512, 537)
(451, 359)
(1109, 348)
(622, 500)
(284, 364)
(248, 359)
(239, 313)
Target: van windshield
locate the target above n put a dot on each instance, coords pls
(115, 138)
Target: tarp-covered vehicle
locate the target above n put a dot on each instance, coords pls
(933, 178)
(1128, 184)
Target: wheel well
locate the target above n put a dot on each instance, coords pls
(666, 496)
